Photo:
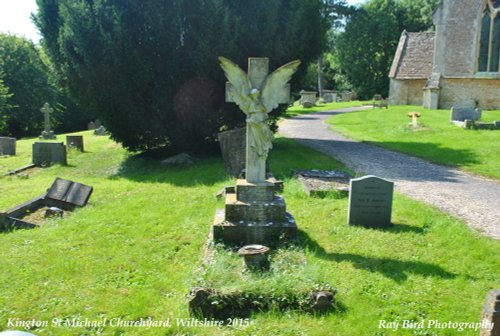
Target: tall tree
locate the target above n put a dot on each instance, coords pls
(149, 68)
(366, 48)
(26, 77)
(5, 106)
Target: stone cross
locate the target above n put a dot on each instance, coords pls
(258, 70)
(47, 110)
(414, 118)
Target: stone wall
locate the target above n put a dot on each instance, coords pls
(457, 32)
(406, 92)
(460, 91)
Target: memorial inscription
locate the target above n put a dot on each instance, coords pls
(370, 202)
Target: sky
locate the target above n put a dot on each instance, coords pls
(15, 17)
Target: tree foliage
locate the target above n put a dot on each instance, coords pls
(25, 77)
(365, 49)
(145, 68)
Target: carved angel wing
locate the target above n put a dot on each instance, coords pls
(275, 90)
(240, 86)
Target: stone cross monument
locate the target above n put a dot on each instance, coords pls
(253, 213)
(47, 133)
(257, 94)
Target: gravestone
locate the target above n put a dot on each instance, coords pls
(253, 214)
(69, 193)
(463, 113)
(75, 141)
(98, 123)
(91, 126)
(47, 132)
(7, 146)
(47, 153)
(232, 146)
(491, 314)
(329, 96)
(370, 202)
(346, 96)
(100, 131)
(307, 98)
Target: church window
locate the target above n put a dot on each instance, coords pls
(489, 46)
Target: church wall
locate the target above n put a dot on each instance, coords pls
(461, 91)
(457, 23)
(406, 92)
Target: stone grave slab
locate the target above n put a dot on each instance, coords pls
(318, 183)
(63, 194)
(47, 153)
(463, 113)
(370, 202)
(233, 148)
(7, 146)
(69, 192)
(75, 141)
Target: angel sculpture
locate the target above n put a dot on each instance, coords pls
(258, 99)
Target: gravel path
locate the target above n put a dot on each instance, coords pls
(472, 198)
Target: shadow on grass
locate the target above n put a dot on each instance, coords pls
(394, 269)
(400, 228)
(138, 168)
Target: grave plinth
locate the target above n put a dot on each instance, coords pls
(307, 98)
(253, 214)
(75, 141)
(47, 153)
(7, 146)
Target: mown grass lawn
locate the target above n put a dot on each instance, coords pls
(437, 140)
(297, 109)
(135, 250)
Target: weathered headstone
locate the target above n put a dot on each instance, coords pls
(491, 314)
(233, 148)
(7, 146)
(47, 133)
(69, 193)
(98, 123)
(46, 153)
(346, 96)
(463, 113)
(329, 96)
(253, 214)
(307, 98)
(370, 202)
(75, 141)
(91, 126)
(100, 131)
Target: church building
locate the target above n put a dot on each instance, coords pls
(457, 65)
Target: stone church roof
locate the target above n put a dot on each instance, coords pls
(414, 56)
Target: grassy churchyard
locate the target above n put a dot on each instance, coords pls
(136, 249)
(436, 139)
